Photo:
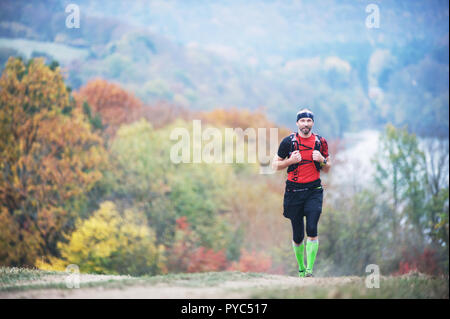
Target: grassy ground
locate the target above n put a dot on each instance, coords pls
(33, 283)
(21, 279)
(10, 277)
(406, 287)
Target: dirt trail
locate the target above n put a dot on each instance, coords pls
(228, 289)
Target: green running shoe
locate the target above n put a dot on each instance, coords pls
(308, 274)
(301, 273)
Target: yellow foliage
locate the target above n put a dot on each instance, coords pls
(110, 242)
(55, 264)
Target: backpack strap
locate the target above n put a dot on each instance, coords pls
(318, 143)
(294, 146)
(318, 147)
(294, 142)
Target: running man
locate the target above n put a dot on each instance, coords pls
(305, 154)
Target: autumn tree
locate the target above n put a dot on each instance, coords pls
(115, 105)
(401, 170)
(415, 196)
(111, 242)
(186, 255)
(255, 120)
(242, 118)
(49, 156)
(252, 262)
(163, 113)
(166, 190)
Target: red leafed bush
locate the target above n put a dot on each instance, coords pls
(179, 254)
(405, 268)
(185, 255)
(425, 262)
(202, 260)
(252, 262)
(178, 257)
(182, 223)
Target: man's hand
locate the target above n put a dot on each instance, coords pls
(295, 158)
(317, 157)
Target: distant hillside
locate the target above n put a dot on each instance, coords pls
(281, 55)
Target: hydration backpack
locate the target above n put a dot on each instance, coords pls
(296, 146)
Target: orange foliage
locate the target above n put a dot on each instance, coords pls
(242, 118)
(19, 244)
(252, 262)
(48, 156)
(186, 256)
(179, 254)
(163, 113)
(115, 105)
(203, 260)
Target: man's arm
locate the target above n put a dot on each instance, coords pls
(327, 166)
(319, 158)
(279, 163)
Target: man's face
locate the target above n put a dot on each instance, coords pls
(305, 125)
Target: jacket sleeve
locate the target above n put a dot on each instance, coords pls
(285, 148)
(324, 147)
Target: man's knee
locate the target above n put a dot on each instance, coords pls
(298, 238)
(311, 231)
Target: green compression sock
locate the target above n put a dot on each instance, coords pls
(311, 251)
(299, 252)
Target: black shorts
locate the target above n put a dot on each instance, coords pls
(302, 202)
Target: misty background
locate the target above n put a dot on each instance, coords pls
(380, 96)
(279, 55)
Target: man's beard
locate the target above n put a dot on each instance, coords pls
(305, 130)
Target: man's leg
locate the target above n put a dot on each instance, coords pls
(299, 251)
(313, 209)
(312, 246)
(297, 239)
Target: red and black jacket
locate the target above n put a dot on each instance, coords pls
(307, 170)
